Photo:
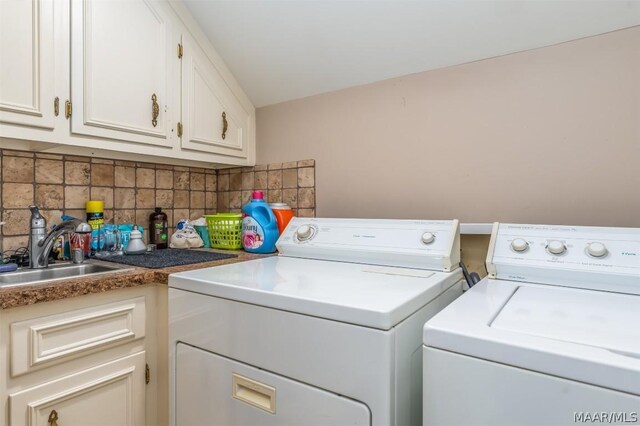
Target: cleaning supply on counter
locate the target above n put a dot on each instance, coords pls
(259, 226)
(202, 229)
(186, 237)
(136, 245)
(95, 213)
(283, 214)
(158, 229)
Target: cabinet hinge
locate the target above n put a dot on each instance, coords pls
(67, 109)
(147, 374)
(56, 106)
(180, 50)
(179, 129)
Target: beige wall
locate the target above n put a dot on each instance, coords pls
(546, 136)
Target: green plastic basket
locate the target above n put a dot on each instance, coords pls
(225, 230)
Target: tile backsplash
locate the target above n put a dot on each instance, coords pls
(61, 184)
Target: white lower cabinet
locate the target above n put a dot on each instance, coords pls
(109, 394)
(85, 361)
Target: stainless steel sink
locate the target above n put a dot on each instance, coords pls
(55, 272)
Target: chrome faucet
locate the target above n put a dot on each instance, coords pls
(41, 243)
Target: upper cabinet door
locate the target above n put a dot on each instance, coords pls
(213, 120)
(120, 70)
(27, 63)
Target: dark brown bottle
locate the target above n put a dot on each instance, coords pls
(158, 229)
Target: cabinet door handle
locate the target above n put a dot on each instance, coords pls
(53, 418)
(224, 125)
(155, 110)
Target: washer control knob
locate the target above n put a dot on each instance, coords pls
(304, 232)
(427, 238)
(519, 245)
(596, 249)
(556, 247)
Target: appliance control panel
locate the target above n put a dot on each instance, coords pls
(423, 244)
(601, 258)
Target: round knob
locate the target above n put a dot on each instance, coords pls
(304, 232)
(596, 249)
(556, 247)
(427, 238)
(519, 245)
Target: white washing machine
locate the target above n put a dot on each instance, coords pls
(327, 333)
(550, 337)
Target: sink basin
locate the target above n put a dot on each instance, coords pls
(59, 271)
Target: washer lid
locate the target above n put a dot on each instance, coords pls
(584, 335)
(594, 318)
(367, 295)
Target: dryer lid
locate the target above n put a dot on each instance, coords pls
(368, 295)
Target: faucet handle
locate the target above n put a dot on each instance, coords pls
(37, 221)
(35, 211)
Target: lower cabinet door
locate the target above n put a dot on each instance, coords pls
(214, 390)
(111, 394)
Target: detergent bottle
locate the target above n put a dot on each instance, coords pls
(259, 226)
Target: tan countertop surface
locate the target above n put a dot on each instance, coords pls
(47, 291)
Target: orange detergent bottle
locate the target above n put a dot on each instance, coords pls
(283, 214)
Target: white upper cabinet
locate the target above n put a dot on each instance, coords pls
(212, 118)
(27, 63)
(120, 70)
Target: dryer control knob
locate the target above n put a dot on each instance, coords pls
(596, 249)
(304, 232)
(556, 247)
(427, 238)
(519, 245)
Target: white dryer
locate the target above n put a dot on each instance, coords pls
(327, 333)
(550, 337)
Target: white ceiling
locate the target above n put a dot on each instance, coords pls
(280, 50)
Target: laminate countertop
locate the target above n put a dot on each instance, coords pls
(47, 291)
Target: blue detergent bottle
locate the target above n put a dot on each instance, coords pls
(259, 226)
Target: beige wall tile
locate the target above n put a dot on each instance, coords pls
(142, 219)
(179, 214)
(290, 196)
(275, 196)
(164, 179)
(306, 197)
(210, 183)
(145, 198)
(49, 171)
(17, 169)
(181, 179)
(49, 196)
(306, 178)
(53, 217)
(76, 173)
(223, 202)
(248, 181)
(306, 163)
(306, 213)
(101, 175)
(197, 182)
(104, 194)
(124, 198)
(195, 214)
(210, 201)
(197, 200)
(13, 243)
(75, 197)
(290, 178)
(290, 165)
(223, 182)
(124, 216)
(235, 181)
(145, 178)
(274, 179)
(181, 199)
(164, 198)
(260, 181)
(274, 166)
(125, 177)
(17, 222)
(17, 195)
(246, 197)
(235, 199)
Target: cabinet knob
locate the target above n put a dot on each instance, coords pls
(224, 124)
(155, 110)
(53, 418)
